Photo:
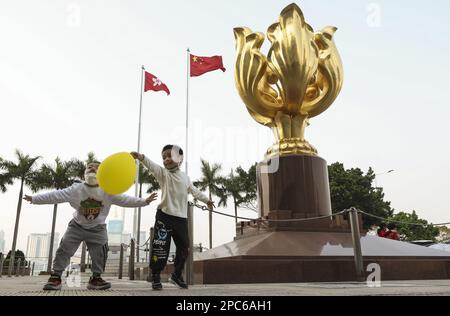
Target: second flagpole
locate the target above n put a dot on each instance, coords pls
(136, 216)
(190, 262)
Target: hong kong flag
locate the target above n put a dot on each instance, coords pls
(201, 65)
(153, 83)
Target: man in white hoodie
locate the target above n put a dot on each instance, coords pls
(92, 207)
(171, 217)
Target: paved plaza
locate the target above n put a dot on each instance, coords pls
(32, 286)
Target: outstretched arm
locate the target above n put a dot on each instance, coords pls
(152, 167)
(199, 195)
(131, 201)
(54, 197)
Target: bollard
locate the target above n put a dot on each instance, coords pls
(1, 264)
(32, 270)
(18, 267)
(24, 264)
(356, 238)
(149, 253)
(147, 250)
(150, 247)
(67, 270)
(190, 260)
(131, 262)
(121, 262)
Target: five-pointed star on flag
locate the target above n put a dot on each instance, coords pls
(200, 64)
(197, 59)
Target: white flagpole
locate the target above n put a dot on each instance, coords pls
(135, 217)
(187, 110)
(189, 265)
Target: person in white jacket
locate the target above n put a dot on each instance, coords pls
(171, 217)
(92, 207)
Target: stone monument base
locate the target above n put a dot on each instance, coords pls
(296, 256)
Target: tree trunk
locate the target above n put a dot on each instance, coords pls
(235, 211)
(210, 222)
(52, 238)
(16, 229)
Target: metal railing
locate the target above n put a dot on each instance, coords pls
(19, 267)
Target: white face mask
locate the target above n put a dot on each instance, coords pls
(90, 178)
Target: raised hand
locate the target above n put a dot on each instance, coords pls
(28, 198)
(151, 198)
(137, 155)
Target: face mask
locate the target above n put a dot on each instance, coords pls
(91, 178)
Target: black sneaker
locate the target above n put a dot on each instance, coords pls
(178, 280)
(53, 283)
(97, 283)
(156, 282)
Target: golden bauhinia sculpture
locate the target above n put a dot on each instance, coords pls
(299, 79)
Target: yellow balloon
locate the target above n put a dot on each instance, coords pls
(117, 173)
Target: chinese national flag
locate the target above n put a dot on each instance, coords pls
(153, 83)
(201, 65)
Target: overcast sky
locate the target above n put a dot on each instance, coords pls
(70, 80)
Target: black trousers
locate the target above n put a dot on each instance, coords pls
(167, 227)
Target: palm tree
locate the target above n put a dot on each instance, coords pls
(248, 187)
(144, 178)
(210, 181)
(79, 166)
(241, 188)
(232, 187)
(24, 171)
(56, 177)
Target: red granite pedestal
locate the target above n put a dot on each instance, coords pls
(308, 251)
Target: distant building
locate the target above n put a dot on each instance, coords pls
(38, 247)
(115, 232)
(115, 227)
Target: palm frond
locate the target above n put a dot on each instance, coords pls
(91, 157)
(4, 181)
(210, 178)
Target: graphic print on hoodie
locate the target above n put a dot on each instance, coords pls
(90, 208)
